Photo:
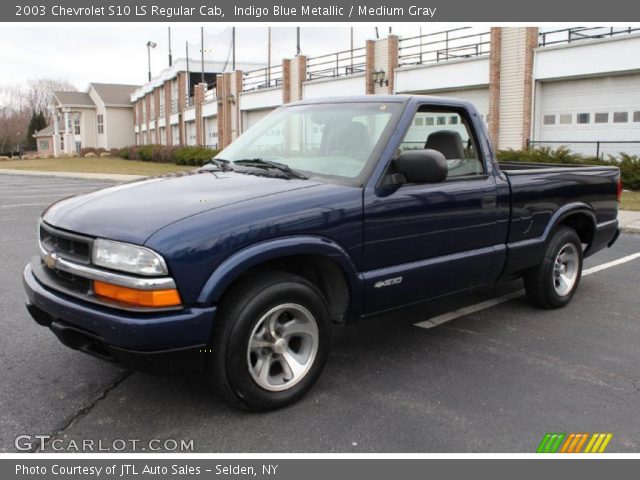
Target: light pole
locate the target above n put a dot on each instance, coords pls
(150, 45)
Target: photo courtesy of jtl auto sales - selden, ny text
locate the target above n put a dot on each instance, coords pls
(319, 239)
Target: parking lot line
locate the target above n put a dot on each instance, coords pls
(461, 312)
(25, 205)
(51, 195)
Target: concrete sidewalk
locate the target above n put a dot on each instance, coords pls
(629, 220)
(117, 177)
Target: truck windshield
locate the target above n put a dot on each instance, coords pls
(333, 140)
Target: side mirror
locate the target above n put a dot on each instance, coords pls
(422, 166)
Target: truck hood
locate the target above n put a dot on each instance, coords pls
(132, 212)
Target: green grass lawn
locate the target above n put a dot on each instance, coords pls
(94, 165)
(630, 201)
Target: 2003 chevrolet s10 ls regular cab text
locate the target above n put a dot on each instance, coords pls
(323, 213)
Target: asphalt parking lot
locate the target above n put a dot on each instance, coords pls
(492, 380)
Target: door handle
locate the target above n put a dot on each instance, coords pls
(489, 201)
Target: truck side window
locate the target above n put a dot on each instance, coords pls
(449, 133)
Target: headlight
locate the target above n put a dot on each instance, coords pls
(127, 258)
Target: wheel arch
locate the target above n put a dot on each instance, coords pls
(581, 218)
(321, 261)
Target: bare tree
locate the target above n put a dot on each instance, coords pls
(38, 92)
(18, 102)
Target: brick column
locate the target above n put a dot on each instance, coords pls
(156, 112)
(370, 55)
(494, 85)
(381, 55)
(182, 101)
(147, 99)
(235, 88)
(167, 113)
(286, 81)
(392, 61)
(225, 99)
(198, 99)
(511, 85)
(531, 43)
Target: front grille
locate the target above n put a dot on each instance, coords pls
(67, 245)
(72, 282)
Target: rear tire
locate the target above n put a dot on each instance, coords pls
(553, 283)
(271, 340)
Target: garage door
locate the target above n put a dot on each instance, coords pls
(211, 132)
(605, 109)
(251, 117)
(478, 96)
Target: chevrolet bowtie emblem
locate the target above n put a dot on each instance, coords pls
(50, 260)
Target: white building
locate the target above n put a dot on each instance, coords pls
(578, 87)
(101, 117)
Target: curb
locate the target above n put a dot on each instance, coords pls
(78, 175)
(630, 229)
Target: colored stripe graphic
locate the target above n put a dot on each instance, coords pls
(598, 443)
(550, 443)
(573, 442)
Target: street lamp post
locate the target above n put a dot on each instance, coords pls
(150, 45)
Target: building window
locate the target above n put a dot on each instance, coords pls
(442, 120)
(549, 120)
(419, 122)
(620, 117)
(428, 121)
(76, 125)
(453, 120)
(602, 117)
(583, 118)
(44, 145)
(62, 143)
(565, 119)
(100, 123)
(636, 116)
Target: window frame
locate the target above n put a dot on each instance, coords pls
(100, 123)
(473, 135)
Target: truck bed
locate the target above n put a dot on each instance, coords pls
(540, 193)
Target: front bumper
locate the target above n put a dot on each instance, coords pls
(172, 340)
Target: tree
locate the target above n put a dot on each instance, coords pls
(18, 103)
(38, 122)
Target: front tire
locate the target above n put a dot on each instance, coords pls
(271, 340)
(553, 283)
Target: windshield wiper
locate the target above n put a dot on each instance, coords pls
(223, 165)
(262, 163)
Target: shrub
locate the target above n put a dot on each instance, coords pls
(3, 158)
(105, 155)
(89, 155)
(84, 151)
(193, 155)
(629, 164)
(189, 155)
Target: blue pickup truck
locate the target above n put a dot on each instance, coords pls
(326, 212)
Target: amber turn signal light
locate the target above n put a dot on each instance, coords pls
(141, 298)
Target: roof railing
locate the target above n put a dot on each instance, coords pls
(337, 64)
(442, 46)
(574, 34)
(262, 78)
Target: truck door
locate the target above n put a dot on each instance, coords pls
(425, 240)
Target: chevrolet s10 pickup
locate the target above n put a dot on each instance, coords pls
(325, 212)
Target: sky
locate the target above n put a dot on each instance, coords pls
(118, 53)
